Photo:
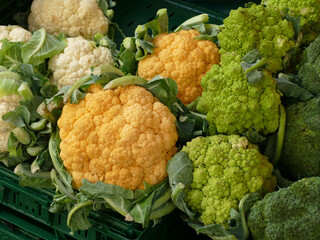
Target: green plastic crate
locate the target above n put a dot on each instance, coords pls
(28, 209)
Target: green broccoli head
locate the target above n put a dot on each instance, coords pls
(257, 27)
(225, 169)
(233, 105)
(291, 213)
(307, 10)
(300, 154)
(309, 70)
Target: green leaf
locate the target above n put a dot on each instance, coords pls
(295, 21)
(32, 106)
(30, 75)
(237, 223)
(105, 5)
(160, 24)
(41, 46)
(14, 156)
(254, 136)
(179, 169)
(153, 205)
(214, 231)
(9, 83)
(189, 124)
(22, 135)
(60, 177)
(42, 162)
(78, 216)
(194, 21)
(40, 179)
(141, 211)
(210, 32)
(19, 117)
(125, 81)
(287, 85)
(165, 89)
(251, 63)
(25, 92)
(143, 48)
(10, 53)
(127, 56)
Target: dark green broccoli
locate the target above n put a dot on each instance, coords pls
(300, 154)
(309, 70)
(291, 213)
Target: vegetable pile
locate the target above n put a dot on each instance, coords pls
(220, 122)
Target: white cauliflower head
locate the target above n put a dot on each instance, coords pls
(76, 59)
(14, 33)
(72, 17)
(7, 104)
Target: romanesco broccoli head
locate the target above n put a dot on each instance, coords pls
(307, 10)
(300, 154)
(257, 27)
(291, 213)
(233, 105)
(225, 169)
(309, 70)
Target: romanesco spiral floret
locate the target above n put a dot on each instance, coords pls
(226, 170)
(257, 27)
(307, 10)
(233, 105)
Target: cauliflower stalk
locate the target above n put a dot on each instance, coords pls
(257, 27)
(72, 17)
(76, 60)
(233, 105)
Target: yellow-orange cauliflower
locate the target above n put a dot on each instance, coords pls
(123, 137)
(72, 17)
(183, 58)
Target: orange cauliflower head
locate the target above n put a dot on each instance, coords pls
(123, 137)
(183, 58)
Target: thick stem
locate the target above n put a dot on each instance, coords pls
(280, 136)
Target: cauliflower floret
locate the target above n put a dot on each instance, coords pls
(14, 33)
(72, 17)
(233, 105)
(7, 104)
(123, 136)
(183, 58)
(76, 59)
(225, 169)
